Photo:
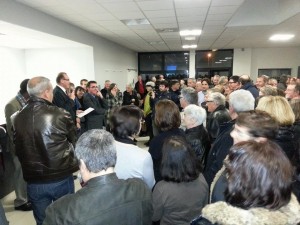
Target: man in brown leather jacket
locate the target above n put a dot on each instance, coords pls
(44, 138)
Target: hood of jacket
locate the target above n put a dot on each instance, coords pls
(225, 214)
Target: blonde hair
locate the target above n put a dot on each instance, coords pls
(279, 108)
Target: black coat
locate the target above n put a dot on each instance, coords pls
(218, 151)
(198, 138)
(155, 149)
(127, 98)
(215, 119)
(95, 119)
(62, 100)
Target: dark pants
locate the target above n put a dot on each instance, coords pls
(42, 195)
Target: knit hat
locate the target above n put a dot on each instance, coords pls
(150, 83)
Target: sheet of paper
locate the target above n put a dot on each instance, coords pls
(85, 112)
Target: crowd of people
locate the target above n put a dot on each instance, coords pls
(221, 151)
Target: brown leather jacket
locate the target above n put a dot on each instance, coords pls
(44, 138)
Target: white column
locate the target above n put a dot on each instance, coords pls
(192, 67)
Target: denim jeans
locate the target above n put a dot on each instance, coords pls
(42, 195)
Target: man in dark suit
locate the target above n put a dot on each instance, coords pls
(94, 99)
(61, 97)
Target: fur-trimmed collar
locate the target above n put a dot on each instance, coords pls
(225, 214)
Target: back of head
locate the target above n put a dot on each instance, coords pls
(190, 95)
(97, 149)
(125, 121)
(167, 115)
(279, 108)
(241, 101)
(258, 123)
(23, 86)
(195, 112)
(178, 161)
(36, 86)
(259, 175)
(217, 98)
(268, 90)
(244, 79)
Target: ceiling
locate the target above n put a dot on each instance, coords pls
(225, 24)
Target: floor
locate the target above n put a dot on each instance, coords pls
(26, 218)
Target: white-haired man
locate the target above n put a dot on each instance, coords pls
(239, 101)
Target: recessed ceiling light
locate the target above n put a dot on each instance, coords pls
(156, 42)
(281, 37)
(134, 22)
(190, 32)
(192, 38)
(189, 46)
(214, 50)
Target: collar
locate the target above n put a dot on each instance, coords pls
(223, 213)
(20, 98)
(125, 140)
(104, 179)
(62, 88)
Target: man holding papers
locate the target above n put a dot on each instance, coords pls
(94, 99)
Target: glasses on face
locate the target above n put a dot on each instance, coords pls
(66, 79)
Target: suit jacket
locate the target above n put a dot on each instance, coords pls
(95, 119)
(104, 200)
(11, 107)
(62, 100)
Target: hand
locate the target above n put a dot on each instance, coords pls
(77, 112)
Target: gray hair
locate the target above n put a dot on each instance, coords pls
(130, 85)
(196, 112)
(241, 101)
(190, 95)
(36, 86)
(217, 98)
(97, 149)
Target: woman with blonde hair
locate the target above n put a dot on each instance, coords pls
(279, 108)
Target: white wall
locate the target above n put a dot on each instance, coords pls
(250, 60)
(111, 60)
(12, 73)
(242, 61)
(104, 60)
(77, 62)
(264, 58)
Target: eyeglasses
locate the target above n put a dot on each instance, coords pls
(66, 79)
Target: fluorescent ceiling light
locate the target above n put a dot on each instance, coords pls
(134, 22)
(192, 38)
(214, 50)
(190, 32)
(218, 62)
(281, 37)
(189, 46)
